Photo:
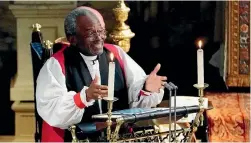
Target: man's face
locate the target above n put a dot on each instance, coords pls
(90, 36)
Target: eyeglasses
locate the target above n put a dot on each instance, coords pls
(94, 33)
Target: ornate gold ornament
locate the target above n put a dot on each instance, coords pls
(121, 34)
(36, 27)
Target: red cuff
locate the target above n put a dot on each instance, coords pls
(78, 102)
(144, 93)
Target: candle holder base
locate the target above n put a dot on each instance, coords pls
(109, 119)
(198, 86)
(110, 100)
(198, 121)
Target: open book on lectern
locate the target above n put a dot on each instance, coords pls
(188, 101)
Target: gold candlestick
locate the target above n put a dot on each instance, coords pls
(72, 129)
(199, 116)
(109, 119)
(201, 100)
(121, 34)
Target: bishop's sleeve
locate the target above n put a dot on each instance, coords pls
(135, 79)
(55, 104)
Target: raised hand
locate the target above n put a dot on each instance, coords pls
(154, 82)
(96, 91)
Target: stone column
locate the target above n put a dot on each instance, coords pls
(51, 16)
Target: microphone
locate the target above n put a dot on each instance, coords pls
(170, 88)
(172, 85)
(175, 92)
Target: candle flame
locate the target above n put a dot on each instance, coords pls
(111, 56)
(200, 44)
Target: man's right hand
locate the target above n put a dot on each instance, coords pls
(96, 91)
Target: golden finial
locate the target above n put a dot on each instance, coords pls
(121, 34)
(48, 44)
(36, 27)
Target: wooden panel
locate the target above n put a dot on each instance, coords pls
(238, 47)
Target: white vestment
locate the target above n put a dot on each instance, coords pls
(56, 105)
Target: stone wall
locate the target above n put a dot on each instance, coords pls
(8, 21)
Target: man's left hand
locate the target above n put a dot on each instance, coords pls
(154, 82)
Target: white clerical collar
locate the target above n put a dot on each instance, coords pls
(88, 58)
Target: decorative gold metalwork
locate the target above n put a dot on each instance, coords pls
(150, 135)
(112, 136)
(48, 50)
(121, 34)
(73, 134)
(109, 119)
(48, 44)
(145, 135)
(198, 121)
(115, 135)
(36, 27)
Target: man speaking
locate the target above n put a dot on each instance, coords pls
(73, 81)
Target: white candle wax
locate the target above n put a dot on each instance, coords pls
(200, 67)
(111, 80)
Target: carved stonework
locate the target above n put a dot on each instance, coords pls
(238, 48)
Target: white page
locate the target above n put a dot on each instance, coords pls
(188, 101)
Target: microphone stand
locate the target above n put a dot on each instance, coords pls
(170, 88)
(175, 92)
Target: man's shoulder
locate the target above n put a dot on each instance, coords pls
(107, 45)
(54, 65)
(113, 47)
(51, 61)
(59, 54)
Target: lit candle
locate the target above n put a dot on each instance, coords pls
(200, 65)
(111, 78)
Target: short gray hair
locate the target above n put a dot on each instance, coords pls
(70, 20)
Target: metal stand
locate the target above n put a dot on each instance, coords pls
(199, 116)
(170, 88)
(109, 114)
(72, 129)
(175, 93)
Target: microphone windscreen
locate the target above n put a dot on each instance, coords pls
(174, 86)
(169, 87)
